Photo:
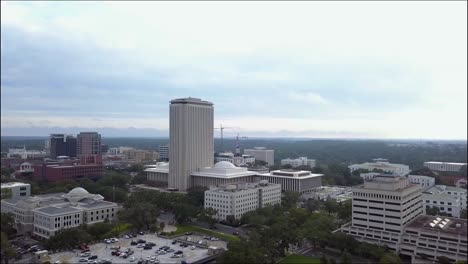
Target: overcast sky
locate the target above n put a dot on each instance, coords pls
(303, 69)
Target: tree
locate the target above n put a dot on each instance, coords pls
(345, 210)
(7, 250)
(290, 199)
(432, 210)
(323, 260)
(68, 239)
(184, 212)
(463, 214)
(312, 205)
(197, 195)
(208, 215)
(99, 230)
(140, 215)
(346, 258)
(7, 225)
(331, 206)
(391, 258)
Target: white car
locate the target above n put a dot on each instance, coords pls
(126, 236)
(86, 254)
(92, 261)
(83, 260)
(58, 262)
(192, 247)
(132, 259)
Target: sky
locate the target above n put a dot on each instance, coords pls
(272, 69)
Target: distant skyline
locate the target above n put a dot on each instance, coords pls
(374, 70)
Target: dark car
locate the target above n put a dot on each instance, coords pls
(148, 247)
(133, 243)
(93, 257)
(188, 233)
(141, 241)
(178, 252)
(134, 234)
(151, 244)
(115, 253)
(174, 242)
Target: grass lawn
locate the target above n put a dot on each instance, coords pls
(182, 229)
(298, 259)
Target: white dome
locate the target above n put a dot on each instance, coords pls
(78, 191)
(224, 165)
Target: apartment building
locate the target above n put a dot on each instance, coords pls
(381, 208)
(236, 200)
(301, 161)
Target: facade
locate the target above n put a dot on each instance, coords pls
(26, 167)
(163, 153)
(294, 180)
(190, 140)
(56, 172)
(236, 200)
(140, 155)
(368, 176)
(384, 165)
(448, 199)
(427, 238)
(263, 154)
(88, 143)
(236, 159)
(62, 145)
(381, 208)
(222, 173)
(15, 190)
(425, 182)
(444, 166)
(43, 215)
(25, 154)
(158, 172)
(339, 193)
(301, 161)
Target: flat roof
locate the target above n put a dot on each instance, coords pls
(423, 222)
(442, 162)
(52, 210)
(13, 184)
(190, 100)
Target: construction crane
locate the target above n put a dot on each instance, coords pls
(221, 128)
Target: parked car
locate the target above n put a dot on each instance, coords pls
(151, 244)
(141, 241)
(147, 247)
(140, 246)
(83, 260)
(188, 233)
(132, 259)
(133, 243)
(192, 247)
(235, 233)
(176, 256)
(126, 237)
(86, 254)
(178, 252)
(174, 242)
(141, 233)
(93, 257)
(170, 250)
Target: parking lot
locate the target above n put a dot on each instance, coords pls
(103, 251)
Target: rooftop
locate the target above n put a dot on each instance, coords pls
(454, 226)
(291, 173)
(241, 186)
(190, 100)
(52, 210)
(442, 162)
(13, 184)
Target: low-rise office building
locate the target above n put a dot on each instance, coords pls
(43, 215)
(427, 238)
(236, 159)
(15, 190)
(425, 182)
(263, 154)
(294, 180)
(444, 166)
(450, 200)
(301, 161)
(383, 165)
(158, 172)
(236, 200)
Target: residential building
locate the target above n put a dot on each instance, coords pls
(427, 238)
(383, 165)
(88, 143)
(190, 140)
(58, 172)
(381, 208)
(450, 200)
(163, 153)
(236, 200)
(294, 180)
(222, 173)
(263, 154)
(62, 145)
(15, 190)
(425, 182)
(444, 166)
(43, 215)
(301, 161)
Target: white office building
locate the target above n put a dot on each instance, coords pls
(444, 166)
(449, 200)
(236, 200)
(384, 165)
(294, 180)
(163, 152)
(223, 173)
(190, 140)
(15, 190)
(236, 159)
(263, 154)
(158, 172)
(381, 208)
(43, 215)
(368, 176)
(427, 238)
(425, 182)
(301, 161)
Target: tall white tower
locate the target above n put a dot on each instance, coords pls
(191, 141)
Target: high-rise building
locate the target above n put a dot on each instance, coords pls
(62, 145)
(88, 143)
(190, 140)
(163, 152)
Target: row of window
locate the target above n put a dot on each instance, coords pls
(374, 195)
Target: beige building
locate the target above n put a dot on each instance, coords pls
(190, 140)
(236, 200)
(141, 155)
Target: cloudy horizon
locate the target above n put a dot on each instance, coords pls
(272, 69)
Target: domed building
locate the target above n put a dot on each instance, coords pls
(222, 173)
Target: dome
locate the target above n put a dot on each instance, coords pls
(78, 191)
(224, 165)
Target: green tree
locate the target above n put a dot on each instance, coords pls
(99, 230)
(197, 195)
(432, 210)
(208, 215)
(391, 258)
(140, 215)
(8, 222)
(345, 210)
(323, 259)
(463, 214)
(346, 258)
(184, 212)
(68, 239)
(290, 199)
(331, 206)
(7, 250)
(312, 205)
